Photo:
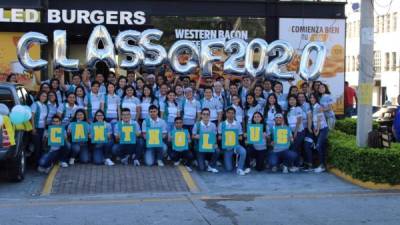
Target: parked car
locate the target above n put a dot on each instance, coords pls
(385, 116)
(13, 158)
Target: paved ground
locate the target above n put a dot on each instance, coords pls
(92, 179)
(259, 198)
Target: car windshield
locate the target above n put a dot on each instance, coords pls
(6, 97)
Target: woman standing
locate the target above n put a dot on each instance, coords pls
(112, 104)
(271, 109)
(320, 131)
(130, 101)
(39, 119)
(294, 117)
(146, 101)
(170, 110)
(326, 102)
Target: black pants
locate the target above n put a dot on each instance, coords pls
(259, 155)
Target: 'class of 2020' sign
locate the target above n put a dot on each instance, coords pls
(144, 52)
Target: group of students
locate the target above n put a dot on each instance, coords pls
(294, 124)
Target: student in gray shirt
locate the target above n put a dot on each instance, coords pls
(127, 151)
(213, 104)
(154, 153)
(205, 125)
(230, 123)
(257, 151)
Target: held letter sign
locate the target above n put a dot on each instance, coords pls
(128, 134)
(180, 140)
(56, 136)
(154, 138)
(99, 134)
(207, 142)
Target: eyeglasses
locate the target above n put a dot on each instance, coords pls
(205, 114)
(99, 115)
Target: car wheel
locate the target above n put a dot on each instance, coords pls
(17, 168)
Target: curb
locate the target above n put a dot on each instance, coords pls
(363, 184)
(189, 180)
(48, 184)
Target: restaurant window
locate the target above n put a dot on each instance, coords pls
(394, 61)
(387, 20)
(387, 61)
(377, 61)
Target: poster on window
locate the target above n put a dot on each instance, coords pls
(298, 32)
(9, 62)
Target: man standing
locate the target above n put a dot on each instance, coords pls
(349, 96)
(396, 122)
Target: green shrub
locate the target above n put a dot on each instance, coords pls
(349, 125)
(366, 164)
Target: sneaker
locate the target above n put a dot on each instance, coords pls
(125, 160)
(109, 162)
(274, 169)
(253, 163)
(64, 164)
(219, 163)
(320, 169)
(307, 168)
(247, 170)
(41, 169)
(285, 169)
(212, 170)
(136, 162)
(240, 172)
(188, 168)
(160, 163)
(294, 169)
(177, 163)
(71, 161)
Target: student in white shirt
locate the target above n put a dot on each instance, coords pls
(213, 104)
(52, 106)
(112, 104)
(55, 86)
(146, 101)
(153, 121)
(230, 123)
(128, 152)
(191, 109)
(81, 98)
(78, 149)
(122, 84)
(170, 110)
(131, 102)
(294, 117)
(205, 125)
(95, 100)
(67, 110)
(321, 130)
(39, 118)
(102, 152)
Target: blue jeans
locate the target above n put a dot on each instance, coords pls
(288, 158)
(228, 153)
(52, 157)
(201, 158)
(101, 151)
(321, 145)
(80, 149)
(123, 150)
(153, 154)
